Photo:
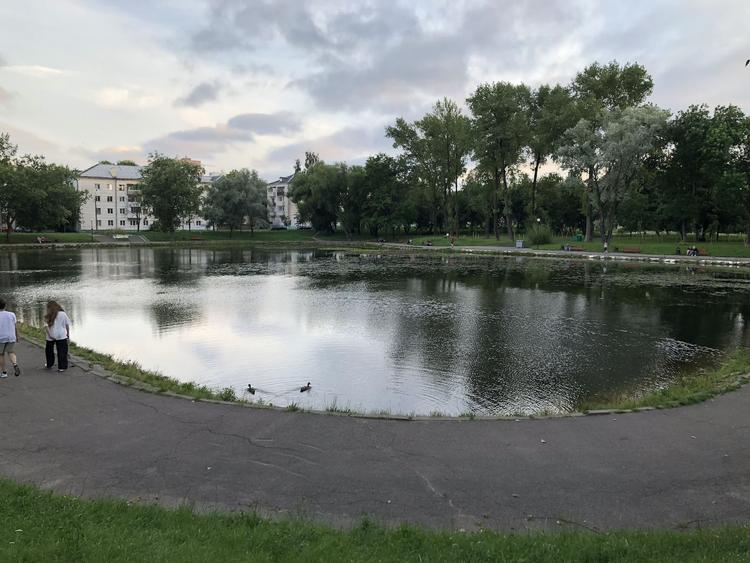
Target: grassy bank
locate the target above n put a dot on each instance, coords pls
(689, 389)
(133, 372)
(31, 238)
(40, 526)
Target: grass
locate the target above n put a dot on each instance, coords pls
(132, 371)
(730, 246)
(41, 526)
(26, 238)
(689, 389)
(226, 236)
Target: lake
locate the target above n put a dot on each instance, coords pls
(399, 333)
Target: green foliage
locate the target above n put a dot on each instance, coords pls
(539, 234)
(35, 194)
(318, 193)
(236, 198)
(126, 162)
(170, 190)
(227, 394)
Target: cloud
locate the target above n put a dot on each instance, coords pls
(350, 144)
(126, 97)
(35, 71)
(205, 142)
(5, 96)
(266, 124)
(202, 93)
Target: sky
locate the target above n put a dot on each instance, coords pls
(256, 83)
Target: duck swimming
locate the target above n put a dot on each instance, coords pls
(250, 389)
(305, 387)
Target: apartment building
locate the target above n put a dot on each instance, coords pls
(282, 211)
(114, 201)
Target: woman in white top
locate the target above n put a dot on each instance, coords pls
(57, 327)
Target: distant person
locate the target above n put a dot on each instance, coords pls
(57, 326)
(606, 247)
(8, 339)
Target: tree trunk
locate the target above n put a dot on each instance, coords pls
(589, 207)
(747, 235)
(494, 204)
(533, 187)
(507, 208)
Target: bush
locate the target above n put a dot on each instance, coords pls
(227, 394)
(539, 234)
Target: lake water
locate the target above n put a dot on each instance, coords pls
(399, 333)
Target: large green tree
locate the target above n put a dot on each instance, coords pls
(612, 155)
(170, 189)
(501, 131)
(235, 199)
(34, 193)
(599, 89)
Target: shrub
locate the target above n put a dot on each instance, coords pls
(227, 394)
(539, 234)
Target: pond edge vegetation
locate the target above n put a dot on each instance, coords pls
(730, 375)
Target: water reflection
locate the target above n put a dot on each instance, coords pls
(403, 333)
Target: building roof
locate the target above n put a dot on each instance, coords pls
(210, 178)
(283, 181)
(109, 171)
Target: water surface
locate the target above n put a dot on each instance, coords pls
(396, 333)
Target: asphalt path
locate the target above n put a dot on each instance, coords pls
(80, 434)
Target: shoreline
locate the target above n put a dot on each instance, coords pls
(502, 251)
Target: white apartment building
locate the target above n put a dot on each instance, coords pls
(282, 211)
(114, 200)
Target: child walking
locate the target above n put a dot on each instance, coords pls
(57, 326)
(8, 339)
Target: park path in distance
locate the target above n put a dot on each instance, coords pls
(82, 435)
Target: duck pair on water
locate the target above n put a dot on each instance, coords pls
(251, 389)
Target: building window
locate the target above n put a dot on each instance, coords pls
(97, 198)
(198, 223)
(121, 188)
(123, 211)
(131, 186)
(97, 186)
(98, 210)
(122, 223)
(122, 198)
(109, 186)
(133, 222)
(145, 221)
(110, 211)
(109, 198)
(98, 223)
(110, 223)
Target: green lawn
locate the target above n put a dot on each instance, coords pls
(40, 526)
(239, 236)
(26, 238)
(650, 244)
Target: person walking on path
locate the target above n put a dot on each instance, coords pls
(57, 326)
(8, 339)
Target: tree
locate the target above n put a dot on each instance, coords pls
(612, 155)
(600, 88)
(501, 131)
(388, 207)
(235, 198)
(170, 189)
(126, 162)
(34, 193)
(311, 159)
(317, 192)
(551, 113)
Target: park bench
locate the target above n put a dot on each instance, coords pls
(632, 250)
(42, 240)
(575, 248)
(121, 237)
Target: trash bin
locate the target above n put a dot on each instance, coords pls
(519, 244)
(579, 238)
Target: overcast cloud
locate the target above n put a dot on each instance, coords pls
(256, 83)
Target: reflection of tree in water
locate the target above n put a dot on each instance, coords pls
(34, 267)
(171, 314)
(179, 265)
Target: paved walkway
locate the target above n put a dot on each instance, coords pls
(83, 435)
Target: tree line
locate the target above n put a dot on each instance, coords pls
(589, 157)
